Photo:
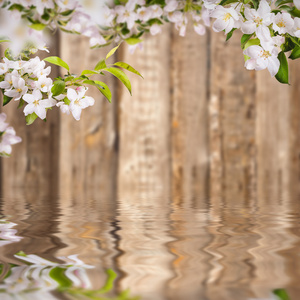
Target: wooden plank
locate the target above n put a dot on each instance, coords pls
(144, 121)
(189, 122)
(294, 131)
(277, 131)
(32, 168)
(232, 120)
(87, 164)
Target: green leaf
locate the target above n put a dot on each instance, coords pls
(121, 76)
(89, 72)
(127, 67)
(16, 6)
(104, 90)
(6, 100)
(251, 43)
(295, 53)
(281, 2)
(4, 154)
(30, 118)
(245, 38)
(288, 45)
(37, 26)
(255, 3)
(67, 101)
(101, 65)
(21, 103)
(133, 41)
(8, 54)
(294, 40)
(229, 35)
(112, 51)
(283, 73)
(58, 87)
(57, 61)
(225, 2)
(101, 86)
(67, 12)
(281, 294)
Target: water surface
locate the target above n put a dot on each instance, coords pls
(158, 247)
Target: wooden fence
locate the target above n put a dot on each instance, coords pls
(198, 125)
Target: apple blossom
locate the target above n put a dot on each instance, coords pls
(226, 19)
(257, 20)
(262, 58)
(7, 138)
(155, 29)
(78, 101)
(36, 104)
(18, 89)
(171, 5)
(44, 83)
(283, 23)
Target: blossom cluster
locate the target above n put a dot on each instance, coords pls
(104, 21)
(269, 28)
(7, 138)
(268, 31)
(29, 83)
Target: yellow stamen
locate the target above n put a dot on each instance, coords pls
(281, 23)
(227, 17)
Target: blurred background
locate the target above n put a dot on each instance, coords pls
(198, 125)
(188, 189)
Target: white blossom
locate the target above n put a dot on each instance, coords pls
(78, 101)
(283, 23)
(258, 20)
(18, 89)
(226, 19)
(261, 58)
(36, 104)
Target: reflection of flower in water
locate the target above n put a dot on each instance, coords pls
(7, 233)
(41, 276)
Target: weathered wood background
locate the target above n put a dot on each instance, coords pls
(198, 125)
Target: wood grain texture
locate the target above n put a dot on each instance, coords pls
(232, 115)
(87, 162)
(32, 169)
(189, 123)
(277, 136)
(144, 121)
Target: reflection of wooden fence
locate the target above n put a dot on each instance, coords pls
(198, 124)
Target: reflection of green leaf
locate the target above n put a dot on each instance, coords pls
(66, 289)
(109, 282)
(281, 294)
(21, 253)
(58, 274)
